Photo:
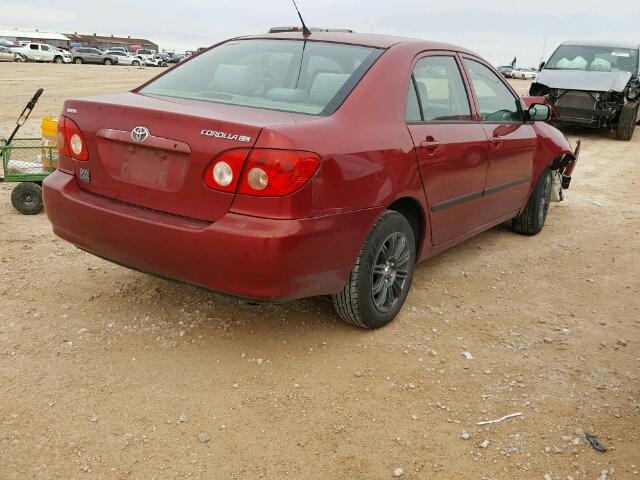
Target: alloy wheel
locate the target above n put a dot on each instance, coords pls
(390, 271)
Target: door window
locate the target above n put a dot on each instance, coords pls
(495, 100)
(439, 91)
(45, 48)
(33, 46)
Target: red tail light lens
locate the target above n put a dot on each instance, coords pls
(70, 141)
(224, 172)
(267, 173)
(274, 173)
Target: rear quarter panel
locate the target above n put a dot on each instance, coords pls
(367, 154)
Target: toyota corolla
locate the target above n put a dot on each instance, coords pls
(286, 165)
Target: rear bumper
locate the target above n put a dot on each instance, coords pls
(258, 258)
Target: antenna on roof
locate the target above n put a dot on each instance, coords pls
(305, 30)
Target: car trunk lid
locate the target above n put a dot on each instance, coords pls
(153, 152)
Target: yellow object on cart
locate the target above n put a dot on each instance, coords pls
(49, 128)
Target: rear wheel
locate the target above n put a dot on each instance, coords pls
(26, 197)
(532, 218)
(78, 61)
(627, 122)
(380, 279)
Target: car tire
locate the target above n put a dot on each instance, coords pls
(135, 63)
(58, 60)
(108, 62)
(374, 292)
(78, 61)
(532, 217)
(627, 122)
(26, 197)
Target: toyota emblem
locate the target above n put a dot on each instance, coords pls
(139, 134)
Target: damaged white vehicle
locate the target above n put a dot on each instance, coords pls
(593, 84)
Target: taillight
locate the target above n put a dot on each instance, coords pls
(70, 141)
(267, 173)
(274, 173)
(224, 172)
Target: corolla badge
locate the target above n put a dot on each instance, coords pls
(139, 134)
(225, 135)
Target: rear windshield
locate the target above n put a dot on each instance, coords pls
(598, 59)
(289, 75)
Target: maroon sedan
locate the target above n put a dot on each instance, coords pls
(283, 166)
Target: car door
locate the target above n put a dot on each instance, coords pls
(47, 53)
(34, 51)
(96, 56)
(513, 142)
(451, 147)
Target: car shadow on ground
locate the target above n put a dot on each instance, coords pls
(152, 301)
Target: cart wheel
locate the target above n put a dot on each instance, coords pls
(26, 197)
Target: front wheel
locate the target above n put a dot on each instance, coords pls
(26, 197)
(78, 61)
(380, 279)
(58, 60)
(135, 63)
(108, 62)
(627, 122)
(532, 218)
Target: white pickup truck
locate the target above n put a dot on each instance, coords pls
(41, 52)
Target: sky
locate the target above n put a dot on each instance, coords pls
(496, 29)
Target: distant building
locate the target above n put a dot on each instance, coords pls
(15, 36)
(106, 42)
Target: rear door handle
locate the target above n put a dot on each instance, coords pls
(430, 144)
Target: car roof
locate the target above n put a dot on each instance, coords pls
(603, 43)
(365, 39)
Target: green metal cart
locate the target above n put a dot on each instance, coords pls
(27, 162)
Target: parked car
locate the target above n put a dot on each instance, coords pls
(593, 84)
(273, 167)
(506, 71)
(118, 49)
(41, 52)
(524, 73)
(93, 55)
(7, 55)
(125, 58)
(146, 53)
(151, 61)
(170, 57)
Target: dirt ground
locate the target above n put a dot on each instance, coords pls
(109, 373)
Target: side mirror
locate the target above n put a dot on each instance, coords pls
(539, 112)
(542, 64)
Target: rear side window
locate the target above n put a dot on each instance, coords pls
(495, 100)
(290, 75)
(438, 92)
(33, 47)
